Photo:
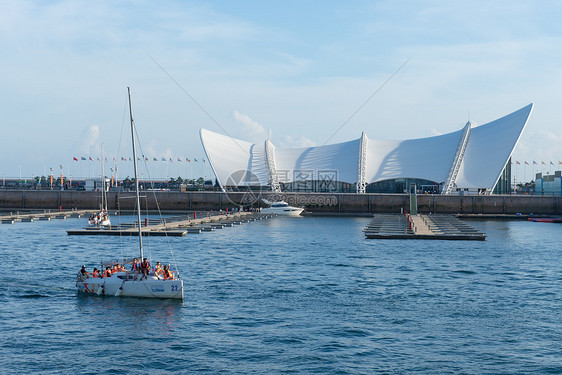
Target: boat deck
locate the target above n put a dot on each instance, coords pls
(44, 215)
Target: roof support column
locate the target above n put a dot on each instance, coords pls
(362, 165)
(457, 161)
(271, 169)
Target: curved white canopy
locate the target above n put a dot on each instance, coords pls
(470, 157)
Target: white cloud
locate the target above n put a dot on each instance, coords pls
(541, 145)
(88, 144)
(298, 142)
(251, 129)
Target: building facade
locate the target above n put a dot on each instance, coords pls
(472, 160)
(549, 184)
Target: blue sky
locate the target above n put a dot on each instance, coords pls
(297, 69)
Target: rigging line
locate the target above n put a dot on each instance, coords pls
(369, 98)
(197, 104)
(155, 200)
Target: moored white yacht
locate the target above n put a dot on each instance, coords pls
(281, 208)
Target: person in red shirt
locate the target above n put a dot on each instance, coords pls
(145, 268)
(107, 272)
(167, 273)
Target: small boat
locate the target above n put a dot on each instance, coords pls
(102, 217)
(281, 208)
(130, 283)
(546, 219)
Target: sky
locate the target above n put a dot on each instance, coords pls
(303, 72)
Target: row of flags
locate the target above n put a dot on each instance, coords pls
(535, 163)
(74, 158)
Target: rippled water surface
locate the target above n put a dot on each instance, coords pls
(301, 295)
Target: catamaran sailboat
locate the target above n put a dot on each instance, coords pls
(131, 283)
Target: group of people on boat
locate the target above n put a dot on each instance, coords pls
(98, 218)
(143, 269)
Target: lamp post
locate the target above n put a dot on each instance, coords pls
(61, 179)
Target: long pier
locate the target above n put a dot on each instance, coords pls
(177, 226)
(421, 227)
(45, 215)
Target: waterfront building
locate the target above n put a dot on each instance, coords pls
(471, 160)
(549, 184)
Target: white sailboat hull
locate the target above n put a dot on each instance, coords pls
(119, 285)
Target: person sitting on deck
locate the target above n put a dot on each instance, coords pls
(157, 270)
(95, 273)
(167, 273)
(83, 274)
(107, 272)
(135, 267)
(145, 268)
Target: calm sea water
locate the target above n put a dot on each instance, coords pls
(303, 295)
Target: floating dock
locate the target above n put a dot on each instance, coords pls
(176, 226)
(45, 215)
(421, 227)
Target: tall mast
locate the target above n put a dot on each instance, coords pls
(136, 175)
(103, 203)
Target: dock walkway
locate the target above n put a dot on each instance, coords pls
(44, 215)
(174, 226)
(423, 227)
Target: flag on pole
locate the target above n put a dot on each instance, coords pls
(517, 162)
(163, 159)
(534, 162)
(91, 159)
(195, 160)
(154, 159)
(543, 163)
(559, 162)
(179, 160)
(526, 163)
(204, 161)
(551, 163)
(147, 159)
(83, 158)
(74, 158)
(189, 161)
(171, 161)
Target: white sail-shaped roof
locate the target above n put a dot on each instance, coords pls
(468, 158)
(489, 148)
(294, 164)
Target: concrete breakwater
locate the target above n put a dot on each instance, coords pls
(313, 202)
